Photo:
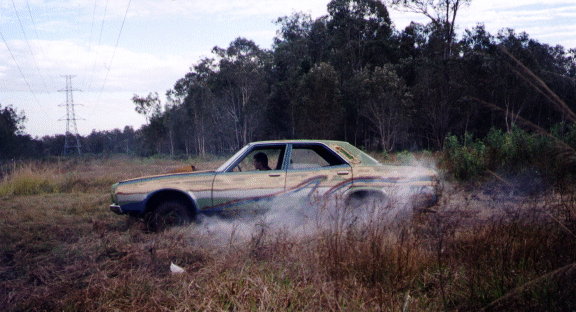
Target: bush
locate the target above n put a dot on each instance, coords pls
(466, 161)
(514, 154)
(566, 133)
(405, 158)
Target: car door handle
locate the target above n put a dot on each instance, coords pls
(273, 175)
(343, 172)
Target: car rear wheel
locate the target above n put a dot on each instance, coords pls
(366, 199)
(167, 215)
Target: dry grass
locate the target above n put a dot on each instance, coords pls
(84, 175)
(65, 251)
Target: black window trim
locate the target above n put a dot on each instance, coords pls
(290, 148)
(282, 146)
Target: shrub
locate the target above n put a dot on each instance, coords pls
(405, 158)
(516, 154)
(466, 160)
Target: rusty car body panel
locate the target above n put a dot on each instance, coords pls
(299, 169)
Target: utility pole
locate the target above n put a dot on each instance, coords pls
(71, 140)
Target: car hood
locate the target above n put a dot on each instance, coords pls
(167, 175)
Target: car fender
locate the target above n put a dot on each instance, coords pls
(153, 199)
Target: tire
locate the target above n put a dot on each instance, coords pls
(167, 215)
(365, 199)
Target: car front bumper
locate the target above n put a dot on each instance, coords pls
(116, 209)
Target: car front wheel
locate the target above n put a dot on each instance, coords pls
(168, 215)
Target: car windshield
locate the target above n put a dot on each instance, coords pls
(232, 159)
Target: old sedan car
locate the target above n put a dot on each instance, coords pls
(263, 171)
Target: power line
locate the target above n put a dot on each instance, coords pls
(29, 47)
(21, 73)
(99, 41)
(90, 42)
(112, 58)
(36, 33)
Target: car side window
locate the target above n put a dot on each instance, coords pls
(269, 158)
(312, 156)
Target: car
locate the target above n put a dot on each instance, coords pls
(262, 172)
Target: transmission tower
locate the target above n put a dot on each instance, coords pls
(72, 140)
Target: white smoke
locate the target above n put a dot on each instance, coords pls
(302, 217)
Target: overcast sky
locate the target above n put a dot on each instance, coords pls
(118, 48)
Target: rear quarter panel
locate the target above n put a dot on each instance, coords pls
(393, 179)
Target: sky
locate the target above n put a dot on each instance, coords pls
(113, 49)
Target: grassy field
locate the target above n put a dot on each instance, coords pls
(491, 248)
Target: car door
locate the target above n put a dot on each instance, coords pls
(242, 187)
(315, 171)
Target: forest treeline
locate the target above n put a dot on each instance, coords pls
(349, 75)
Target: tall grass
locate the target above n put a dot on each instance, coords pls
(29, 179)
(87, 174)
(69, 253)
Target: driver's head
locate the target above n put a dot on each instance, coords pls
(261, 161)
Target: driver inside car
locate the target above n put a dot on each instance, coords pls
(261, 161)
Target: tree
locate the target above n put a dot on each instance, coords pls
(292, 58)
(11, 126)
(437, 76)
(412, 41)
(386, 104)
(155, 129)
(194, 92)
(148, 106)
(521, 95)
(319, 115)
(359, 35)
(241, 72)
(442, 13)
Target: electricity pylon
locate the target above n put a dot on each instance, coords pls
(71, 140)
